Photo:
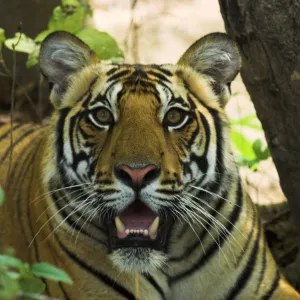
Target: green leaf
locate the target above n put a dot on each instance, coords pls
(103, 44)
(50, 272)
(42, 35)
(250, 121)
(261, 154)
(13, 275)
(117, 60)
(33, 58)
(9, 287)
(32, 285)
(243, 146)
(9, 261)
(31, 62)
(2, 37)
(68, 17)
(1, 196)
(21, 43)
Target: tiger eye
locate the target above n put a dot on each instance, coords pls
(103, 115)
(173, 116)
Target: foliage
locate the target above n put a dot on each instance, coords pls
(249, 153)
(70, 17)
(19, 279)
(2, 37)
(1, 196)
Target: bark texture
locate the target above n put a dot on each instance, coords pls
(268, 34)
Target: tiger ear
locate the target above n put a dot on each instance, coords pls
(217, 56)
(62, 55)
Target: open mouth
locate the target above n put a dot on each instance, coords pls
(138, 226)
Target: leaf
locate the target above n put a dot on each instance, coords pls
(1, 196)
(13, 275)
(31, 62)
(9, 261)
(68, 17)
(103, 44)
(250, 121)
(261, 154)
(48, 271)
(33, 58)
(2, 37)
(42, 35)
(243, 146)
(21, 43)
(32, 285)
(9, 287)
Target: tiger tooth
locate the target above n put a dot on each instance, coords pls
(120, 226)
(154, 226)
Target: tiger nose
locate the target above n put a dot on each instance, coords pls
(137, 177)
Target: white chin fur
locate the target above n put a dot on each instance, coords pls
(143, 260)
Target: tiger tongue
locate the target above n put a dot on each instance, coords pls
(138, 218)
(137, 221)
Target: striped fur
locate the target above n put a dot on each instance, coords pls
(62, 187)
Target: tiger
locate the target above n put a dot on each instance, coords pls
(131, 186)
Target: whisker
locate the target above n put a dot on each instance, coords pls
(56, 190)
(70, 203)
(220, 214)
(218, 244)
(57, 200)
(69, 215)
(214, 194)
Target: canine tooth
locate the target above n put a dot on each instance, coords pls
(127, 231)
(154, 226)
(145, 232)
(120, 226)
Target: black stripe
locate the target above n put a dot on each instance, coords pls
(183, 230)
(245, 275)
(6, 133)
(30, 219)
(113, 70)
(245, 248)
(207, 132)
(155, 285)
(219, 169)
(73, 224)
(213, 247)
(20, 139)
(269, 294)
(117, 76)
(166, 72)
(189, 250)
(28, 161)
(263, 267)
(99, 275)
(60, 134)
(159, 76)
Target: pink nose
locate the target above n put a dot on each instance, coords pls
(135, 177)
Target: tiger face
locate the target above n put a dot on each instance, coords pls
(133, 137)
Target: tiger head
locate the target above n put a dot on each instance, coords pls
(134, 136)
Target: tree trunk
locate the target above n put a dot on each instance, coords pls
(268, 34)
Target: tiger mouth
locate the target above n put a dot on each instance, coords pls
(138, 226)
